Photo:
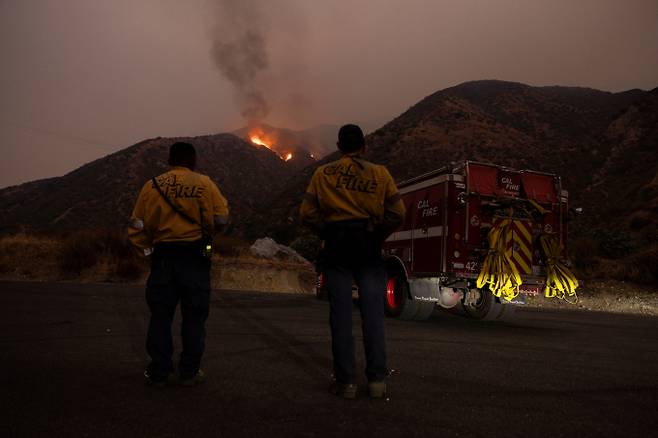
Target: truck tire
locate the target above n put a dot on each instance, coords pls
(424, 310)
(397, 303)
(489, 308)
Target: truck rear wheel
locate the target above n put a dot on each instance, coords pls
(487, 307)
(424, 310)
(397, 303)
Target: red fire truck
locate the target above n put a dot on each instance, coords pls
(435, 257)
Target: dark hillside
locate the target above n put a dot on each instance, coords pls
(102, 193)
(604, 145)
(624, 191)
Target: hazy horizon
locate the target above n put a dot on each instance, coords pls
(85, 79)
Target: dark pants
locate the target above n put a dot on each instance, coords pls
(352, 257)
(177, 273)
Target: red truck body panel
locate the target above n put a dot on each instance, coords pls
(451, 210)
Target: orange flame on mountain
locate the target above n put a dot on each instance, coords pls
(259, 141)
(258, 137)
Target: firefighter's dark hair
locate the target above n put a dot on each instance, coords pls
(350, 138)
(182, 154)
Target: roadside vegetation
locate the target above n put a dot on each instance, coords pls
(106, 256)
(622, 284)
(610, 258)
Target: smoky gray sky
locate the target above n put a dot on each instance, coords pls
(84, 78)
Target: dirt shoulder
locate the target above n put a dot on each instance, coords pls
(31, 258)
(37, 258)
(229, 273)
(607, 296)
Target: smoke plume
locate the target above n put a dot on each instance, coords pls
(240, 53)
(257, 43)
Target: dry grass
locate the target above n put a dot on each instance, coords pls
(25, 256)
(106, 256)
(48, 258)
(639, 268)
(84, 256)
(593, 261)
(607, 296)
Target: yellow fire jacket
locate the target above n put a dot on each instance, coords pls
(352, 188)
(153, 219)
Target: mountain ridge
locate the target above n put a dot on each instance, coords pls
(603, 145)
(561, 130)
(102, 193)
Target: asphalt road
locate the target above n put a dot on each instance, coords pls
(72, 357)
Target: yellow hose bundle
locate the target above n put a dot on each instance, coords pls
(560, 281)
(498, 270)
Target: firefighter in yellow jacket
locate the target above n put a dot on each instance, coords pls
(354, 205)
(173, 222)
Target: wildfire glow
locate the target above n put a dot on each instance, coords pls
(257, 140)
(257, 136)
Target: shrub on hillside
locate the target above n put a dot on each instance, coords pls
(121, 255)
(614, 243)
(85, 249)
(29, 256)
(640, 268)
(129, 268)
(584, 254)
(78, 252)
(307, 246)
(115, 243)
(229, 245)
(640, 220)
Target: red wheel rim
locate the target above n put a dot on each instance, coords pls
(392, 299)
